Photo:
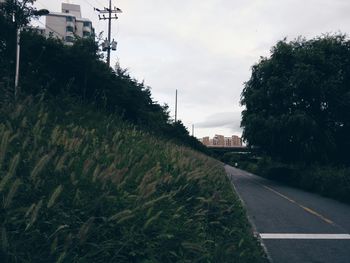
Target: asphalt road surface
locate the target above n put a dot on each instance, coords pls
(294, 226)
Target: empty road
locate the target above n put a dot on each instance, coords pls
(294, 226)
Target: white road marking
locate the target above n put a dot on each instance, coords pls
(303, 236)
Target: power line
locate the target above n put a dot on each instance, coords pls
(98, 2)
(42, 5)
(51, 29)
(86, 1)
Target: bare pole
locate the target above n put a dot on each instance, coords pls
(18, 48)
(176, 106)
(192, 129)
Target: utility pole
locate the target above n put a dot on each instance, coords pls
(176, 106)
(192, 129)
(108, 45)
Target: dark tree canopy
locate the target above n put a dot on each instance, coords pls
(48, 66)
(298, 101)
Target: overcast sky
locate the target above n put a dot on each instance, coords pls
(205, 48)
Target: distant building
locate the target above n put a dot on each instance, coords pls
(236, 141)
(205, 140)
(222, 141)
(69, 24)
(219, 140)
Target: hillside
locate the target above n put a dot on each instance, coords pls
(80, 186)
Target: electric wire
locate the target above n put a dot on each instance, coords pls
(86, 1)
(53, 30)
(43, 5)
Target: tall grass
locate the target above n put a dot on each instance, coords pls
(81, 187)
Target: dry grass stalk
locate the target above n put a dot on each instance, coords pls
(152, 219)
(40, 166)
(87, 165)
(120, 215)
(4, 240)
(3, 146)
(154, 201)
(30, 209)
(2, 129)
(148, 190)
(85, 150)
(12, 192)
(61, 257)
(12, 171)
(36, 129)
(119, 175)
(96, 172)
(53, 246)
(73, 178)
(55, 134)
(56, 193)
(34, 215)
(71, 162)
(84, 229)
(61, 161)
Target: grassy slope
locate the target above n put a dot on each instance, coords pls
(78, 186)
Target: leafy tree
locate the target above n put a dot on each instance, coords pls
(298, 100)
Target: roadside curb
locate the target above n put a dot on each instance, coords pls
(254, 229)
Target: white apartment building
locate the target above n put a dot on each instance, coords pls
(68, 24)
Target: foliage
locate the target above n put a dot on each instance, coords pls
(79, 186)
(330, 181)
(298, 101)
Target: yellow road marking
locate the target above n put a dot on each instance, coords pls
(300, 205)
(304, 236)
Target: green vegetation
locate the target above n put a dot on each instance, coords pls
(298, 115)
(79, 186)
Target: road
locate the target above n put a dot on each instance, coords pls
(294, 226)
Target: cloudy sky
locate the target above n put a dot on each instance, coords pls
(205, 48)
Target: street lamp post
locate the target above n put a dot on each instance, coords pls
(18, 49)
(41, 12)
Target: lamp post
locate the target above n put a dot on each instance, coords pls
(41, 12)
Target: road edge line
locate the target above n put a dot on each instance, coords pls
(254, 229)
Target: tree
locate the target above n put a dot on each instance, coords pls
(298, 100)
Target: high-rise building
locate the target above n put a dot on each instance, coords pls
(69, 24)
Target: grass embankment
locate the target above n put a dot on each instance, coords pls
(81, 187)
(327, 180)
